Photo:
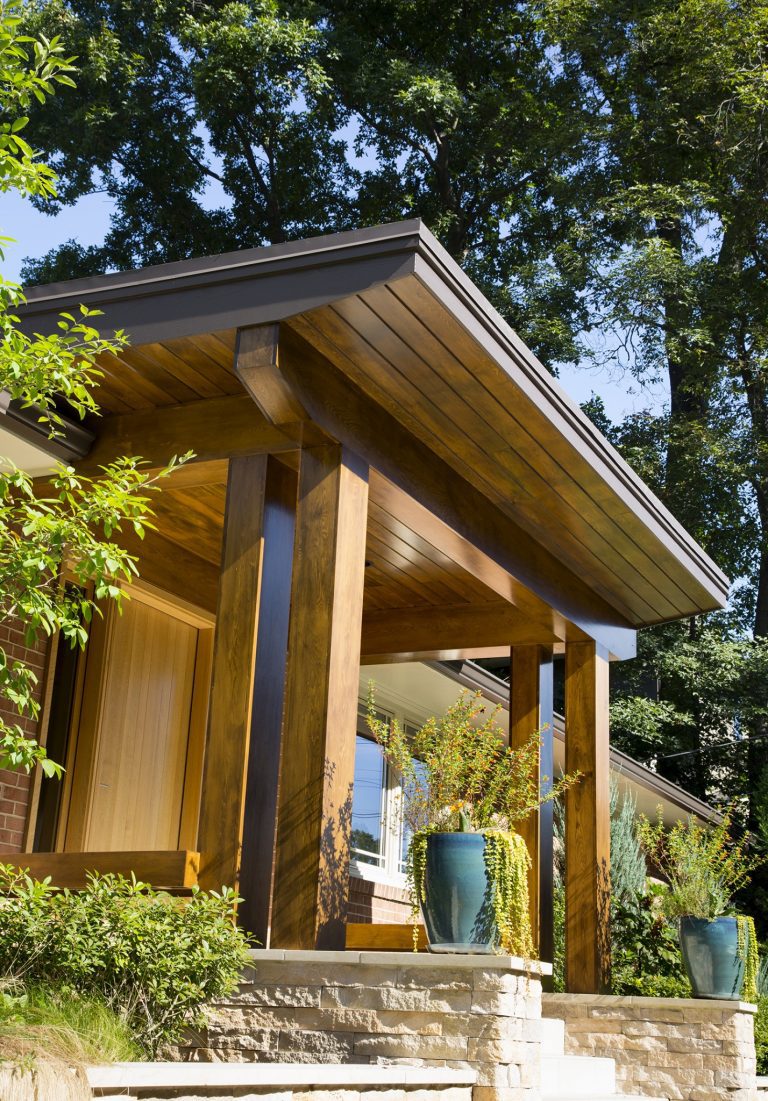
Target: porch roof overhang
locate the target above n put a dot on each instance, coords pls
(388, 315)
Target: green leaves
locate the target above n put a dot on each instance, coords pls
(154, 961)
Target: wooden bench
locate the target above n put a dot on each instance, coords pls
(362, 936)
(167, 870)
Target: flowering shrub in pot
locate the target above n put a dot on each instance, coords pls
(705, 867)
(464, 791)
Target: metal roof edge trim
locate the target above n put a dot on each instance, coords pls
(240, 264)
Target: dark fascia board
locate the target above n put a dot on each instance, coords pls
(497, 691)
(233, 290)
(275, 282)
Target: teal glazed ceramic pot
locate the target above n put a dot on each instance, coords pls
(711, 956)
(458, 903)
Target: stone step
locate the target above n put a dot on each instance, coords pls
(580, 1076)
(552, 1036)
(276, 1081)
(600, 1097)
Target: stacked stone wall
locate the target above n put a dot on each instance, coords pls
(468, 1013)
(683, 1049)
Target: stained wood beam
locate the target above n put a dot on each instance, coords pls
(257, 871)
(531, 709)
(587, 821)
(257, 365)
(423, 629)
(222, 801)
(315, 804)
(342, 410)
(458, 654)
(215, 428)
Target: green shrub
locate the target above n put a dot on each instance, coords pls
(646, 958)
(155, 960)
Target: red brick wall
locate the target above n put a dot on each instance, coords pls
(15, 786)
(377, 902)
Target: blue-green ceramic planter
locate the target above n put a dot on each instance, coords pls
(458, 905)
(711, 956)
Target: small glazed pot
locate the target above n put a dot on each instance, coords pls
(711, 956)
(458, 902)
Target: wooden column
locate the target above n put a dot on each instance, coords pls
(263, 772)
(587, 821)
(530, 709)
(222, 799)
(315, 804)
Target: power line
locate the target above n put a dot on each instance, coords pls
(706, 748)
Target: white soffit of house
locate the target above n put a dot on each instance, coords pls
(24, 455)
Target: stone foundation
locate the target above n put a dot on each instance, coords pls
(477, 1013)
(681, 1048)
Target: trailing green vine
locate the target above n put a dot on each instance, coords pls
(747, 950)
(414, 871)
(507, 863)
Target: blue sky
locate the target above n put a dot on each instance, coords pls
(88, 220)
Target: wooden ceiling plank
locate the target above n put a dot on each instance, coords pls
(538, 462)
(383, 325)
(410, 574)
(115, 379)
(188, 350)
(139, 382)
(217, 349)
(452, 572)
(536, 427)
(343, 346)
(179, 391)
(192, 517)
(342, 409)
(186, 372)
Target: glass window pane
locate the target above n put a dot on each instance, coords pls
(368, 802)
(421, 773)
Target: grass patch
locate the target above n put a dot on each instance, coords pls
(47, 1039)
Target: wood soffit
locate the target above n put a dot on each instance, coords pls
(390, 310)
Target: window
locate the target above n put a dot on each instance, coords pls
(379, 839)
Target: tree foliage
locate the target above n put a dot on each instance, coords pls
(598, 167)
(67, 532)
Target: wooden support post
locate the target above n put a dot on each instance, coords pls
(587, 821)
(222, 798)
(315, 804)
(530, 709)
(257, 870)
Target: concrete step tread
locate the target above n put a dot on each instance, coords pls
(264, 1075)
(598, 1097)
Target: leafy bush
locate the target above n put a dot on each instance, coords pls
(155, 960)
(704, 865)
(646, 958)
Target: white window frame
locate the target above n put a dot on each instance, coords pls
(390, 870)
